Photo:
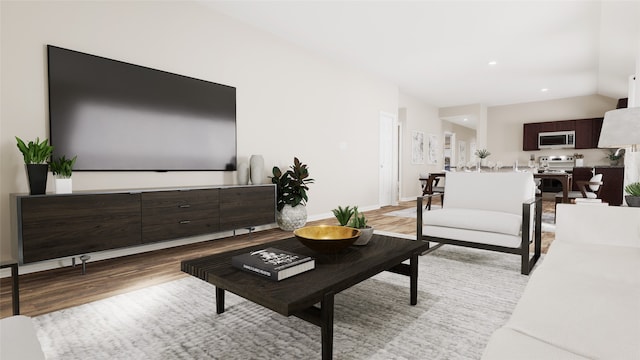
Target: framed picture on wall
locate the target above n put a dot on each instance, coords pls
(417, 147)
(462, 152)
(432, 152)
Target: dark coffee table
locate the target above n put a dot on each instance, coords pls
(297, 295)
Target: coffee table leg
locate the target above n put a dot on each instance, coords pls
(219, 300)
(327, 326)
(413, 275)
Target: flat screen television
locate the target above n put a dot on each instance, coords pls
(117, 116)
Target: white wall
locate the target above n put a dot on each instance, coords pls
(415, 115)
(505, 127)
(289, 102)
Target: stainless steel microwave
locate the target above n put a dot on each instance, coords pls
(557, 140)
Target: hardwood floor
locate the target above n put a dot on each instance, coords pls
(57, 289)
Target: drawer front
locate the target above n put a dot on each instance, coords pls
(58, 226)
(243, 207)
(173, 214)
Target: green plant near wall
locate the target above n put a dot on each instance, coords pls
(62, 167)
(35, 152)
(291, 186)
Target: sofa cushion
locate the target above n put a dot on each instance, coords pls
(478, 220)
(18, 340)
(502, 192)
(600, 262)
(593, 317)
(505, 343)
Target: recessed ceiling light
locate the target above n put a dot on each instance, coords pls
(493, 63)
(544, 89)
(465, 119)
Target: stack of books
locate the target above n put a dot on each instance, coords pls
(273, 263)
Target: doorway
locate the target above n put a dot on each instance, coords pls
(389, 163)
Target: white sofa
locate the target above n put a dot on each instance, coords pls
(583, 300)
(486, 210)
(18, 339)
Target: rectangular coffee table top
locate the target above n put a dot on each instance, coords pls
(333, 273)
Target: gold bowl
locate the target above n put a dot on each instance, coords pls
(327, 239)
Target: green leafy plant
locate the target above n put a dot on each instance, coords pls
(633, 189)
(358, 221)
(343, 214)
(62, 167)
(35, 152)
(291, 186)
(614, 155)
(482, 153)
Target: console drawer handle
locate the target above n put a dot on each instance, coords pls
(185, 221)
(184, 206)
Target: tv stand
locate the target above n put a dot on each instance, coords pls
(55, 226)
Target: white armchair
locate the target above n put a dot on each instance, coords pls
(492, 211)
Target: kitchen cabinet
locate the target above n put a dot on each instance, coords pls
(587, 132)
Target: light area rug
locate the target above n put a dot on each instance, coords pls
(464, 295)
(548, 218)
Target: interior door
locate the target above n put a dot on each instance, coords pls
(388, 166)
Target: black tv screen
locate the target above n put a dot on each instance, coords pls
(119, 116)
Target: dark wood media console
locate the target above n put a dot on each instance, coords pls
(56, 226)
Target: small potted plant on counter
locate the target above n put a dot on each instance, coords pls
(482, 154)
(36, 154)
(614, 156)
(62, 168)
(633, 199)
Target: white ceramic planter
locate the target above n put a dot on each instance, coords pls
(291, 218)
(365, 236)
(63, 186)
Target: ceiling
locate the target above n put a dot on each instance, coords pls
(440, 51)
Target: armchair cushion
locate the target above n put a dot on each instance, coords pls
(479, 220)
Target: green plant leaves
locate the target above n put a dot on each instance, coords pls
(292, 185)
(633, 189)
(35, 152)
(62, 167)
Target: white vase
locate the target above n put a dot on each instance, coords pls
(291, 218)
(365, 236)
(63, 186)
(257, 169)
(243, 173)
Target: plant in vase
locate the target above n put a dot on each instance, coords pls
(614, 156)
(359, 221)
(291, 195)
(36, 154)
(62, 168)
(633, 199)
(482, 154)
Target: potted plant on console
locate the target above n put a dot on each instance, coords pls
(36, 154)
(291, 190)
(62, 168)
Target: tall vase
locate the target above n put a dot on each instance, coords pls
(291, 217)
(257, 169)
(243, 173)
(37, 174)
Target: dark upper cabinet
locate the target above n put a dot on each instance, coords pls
(587, 132)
